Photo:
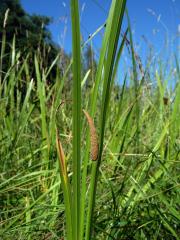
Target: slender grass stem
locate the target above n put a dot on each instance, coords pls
(76, 46)
(115, 19)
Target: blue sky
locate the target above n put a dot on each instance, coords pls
(153, 19)
(154, 23)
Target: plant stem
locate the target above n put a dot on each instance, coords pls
(76, 47)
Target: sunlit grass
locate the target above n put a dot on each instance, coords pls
(51, 184)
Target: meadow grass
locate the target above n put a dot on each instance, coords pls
(50, 185)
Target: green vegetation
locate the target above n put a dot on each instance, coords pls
(31, 34)
(51, 187)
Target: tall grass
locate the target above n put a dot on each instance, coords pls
(50, 185)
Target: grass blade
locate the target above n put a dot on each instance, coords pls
(76, 54)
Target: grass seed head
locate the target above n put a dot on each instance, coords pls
(93, 137)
